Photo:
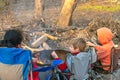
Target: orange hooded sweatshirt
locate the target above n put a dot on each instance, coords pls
(104, 51)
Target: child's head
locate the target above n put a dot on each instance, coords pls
(104, 35)
(77, 45)
(12, 38)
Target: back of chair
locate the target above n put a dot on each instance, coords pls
(14, 64)
(46, 54)
(115, 56)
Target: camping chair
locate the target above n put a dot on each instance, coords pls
(15, 64)
(56, 74)
(45, 55)
(46, 59)
(115, 56)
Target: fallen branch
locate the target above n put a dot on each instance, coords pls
(51, 37)
(31, 49)
(42, 39)
(39, 41)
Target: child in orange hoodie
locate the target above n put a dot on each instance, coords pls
(104, 49)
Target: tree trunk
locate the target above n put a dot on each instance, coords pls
(38, 11)
(66, 13)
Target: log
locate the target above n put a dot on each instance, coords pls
(33, 50)
(39, 41)
(42, 39)
(51, 37)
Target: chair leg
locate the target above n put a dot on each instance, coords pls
(96, 76)
(31, 76)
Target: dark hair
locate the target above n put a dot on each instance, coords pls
(12, 38)
(79, 43)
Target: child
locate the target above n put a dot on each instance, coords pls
(104, 49)
(14, 61)
(77, 62)
(13, 39)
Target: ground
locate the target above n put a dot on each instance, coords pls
(86, 18)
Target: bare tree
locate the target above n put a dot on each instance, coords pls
(38, 10)
(66, 13)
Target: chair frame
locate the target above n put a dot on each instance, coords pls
(115, 56)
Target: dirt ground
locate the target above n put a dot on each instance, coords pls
(83, 23)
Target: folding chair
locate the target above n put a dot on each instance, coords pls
(15, 64)
(46, 54)
(115, 56)
(55, 73)
(46, 58)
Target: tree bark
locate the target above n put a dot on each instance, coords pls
(66, 13)
(38, 10)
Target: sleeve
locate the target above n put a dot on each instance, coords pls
(62, 66)
(101, 52)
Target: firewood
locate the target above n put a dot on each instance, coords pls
(51, 37)
(32, 49)
(39, 41)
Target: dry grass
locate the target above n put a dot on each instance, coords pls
(96, 7)
(104, 22)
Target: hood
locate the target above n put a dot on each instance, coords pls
(104, 35)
